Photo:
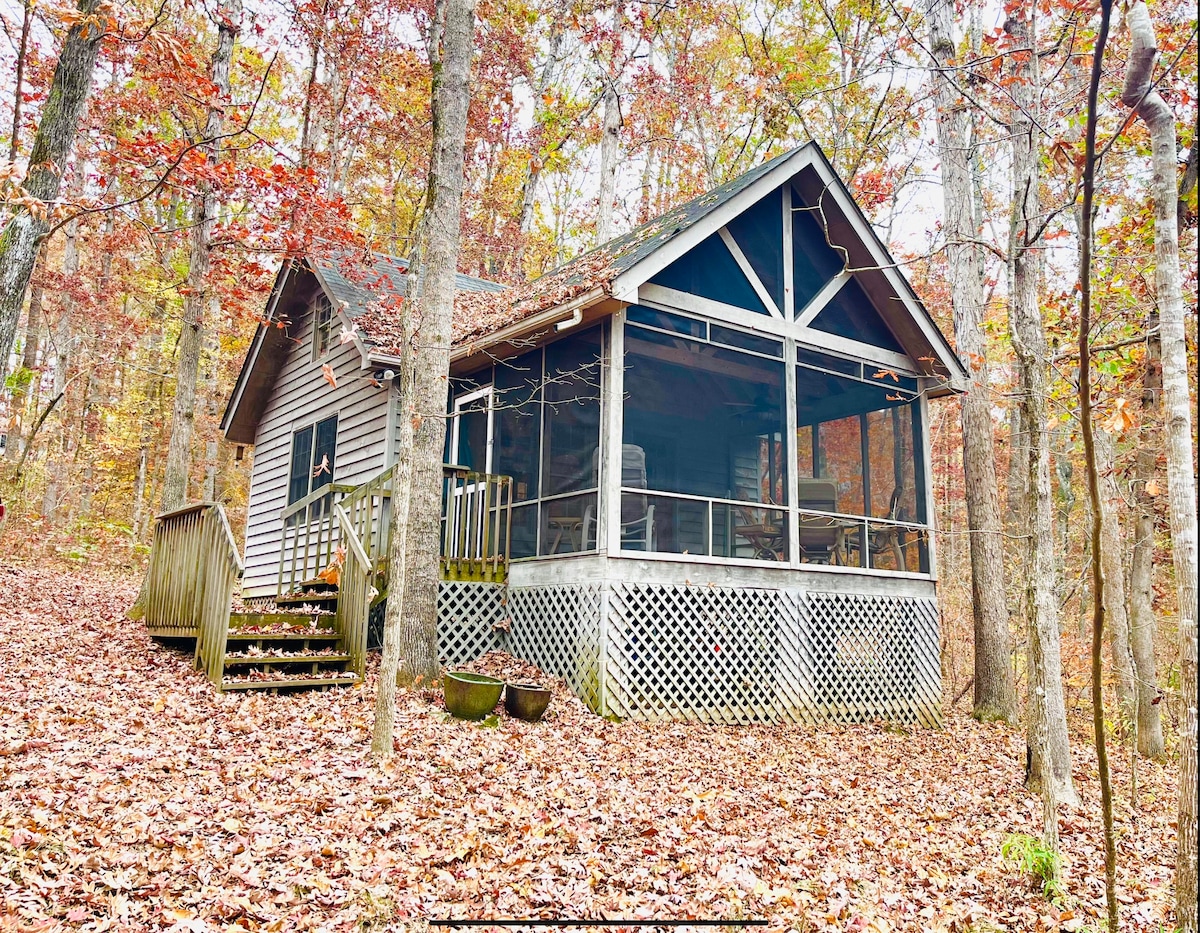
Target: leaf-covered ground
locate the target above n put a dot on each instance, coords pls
(134, 797)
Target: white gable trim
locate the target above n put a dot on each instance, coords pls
(625, 285)
(887, 265)
(744, 264)
(260, 334)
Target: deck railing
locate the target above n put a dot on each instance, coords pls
(309, 536)
(368, 509)
(476, 511)
(356, 590)
(476, 525)
(194, 565)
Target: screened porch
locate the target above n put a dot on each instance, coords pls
(735, 447)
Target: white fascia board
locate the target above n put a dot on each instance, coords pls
(887, 266)
(260, 334)
(625, 285)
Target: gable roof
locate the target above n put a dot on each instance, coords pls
(368, 291)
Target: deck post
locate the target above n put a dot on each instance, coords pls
(791, 469)
(608, 509)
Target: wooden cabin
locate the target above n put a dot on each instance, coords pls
(689, 471)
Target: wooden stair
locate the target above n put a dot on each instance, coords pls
(286, 650)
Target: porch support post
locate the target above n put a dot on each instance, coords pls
(791, 468)
(609, 508)
(789, 288)
(927, 471)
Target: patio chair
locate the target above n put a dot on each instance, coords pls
(637, 512)
(822, 538)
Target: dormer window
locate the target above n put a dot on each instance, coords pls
(323, 320)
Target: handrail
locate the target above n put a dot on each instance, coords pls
(317, 494)
(354, 595)
(194, 565)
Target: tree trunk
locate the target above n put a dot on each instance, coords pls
(410, 626)
(610, 141)
(995, 697)
(64, 105)
(394, 627)
(1099, 590)
(64, 340)
(25, 392)
(1142, 623)
(1181, 472)
(1050, 763)
(1112, 550)
(204, 215)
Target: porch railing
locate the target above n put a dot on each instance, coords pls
(309, 536)
(476, 512)
(476, 525)
(356, 590)
(368, 510)
(194, 565)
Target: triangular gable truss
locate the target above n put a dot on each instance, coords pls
(805, 181)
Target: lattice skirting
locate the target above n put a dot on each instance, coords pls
(744, 655)
(558, 629)
(716, 654)
(467, 617)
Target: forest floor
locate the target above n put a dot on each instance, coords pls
(132, 796)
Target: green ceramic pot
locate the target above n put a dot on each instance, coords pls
(471, 696)
(526, 701)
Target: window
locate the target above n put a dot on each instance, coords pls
(313, 452)
(323, 321)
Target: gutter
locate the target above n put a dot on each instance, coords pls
(542, 320)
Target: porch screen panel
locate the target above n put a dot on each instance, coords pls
(759, 234)
(850, 314)
(710, 271)
(516, 449)
(839, 458)
(814, 261)
(894, 470)
(860, 463)
(571, 416)
(710, 424)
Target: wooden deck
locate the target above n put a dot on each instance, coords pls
(317, 635)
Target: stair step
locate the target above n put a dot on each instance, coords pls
(262, 619)
(320, 602)
(300, 634)
(231, 659)
(294, 682)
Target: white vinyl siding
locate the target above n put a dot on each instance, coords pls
(300, 397)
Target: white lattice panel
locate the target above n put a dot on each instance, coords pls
(705, 653)
(557, 628)
(871, 657)
(467, 617)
